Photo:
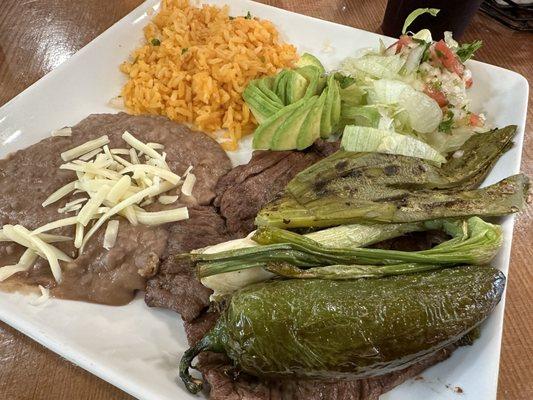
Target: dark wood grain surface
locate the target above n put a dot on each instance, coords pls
(37, 35)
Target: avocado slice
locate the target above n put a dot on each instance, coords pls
(315, 79)
(261, 106)
(280, 85)
(265, 86)
(287, 133)
(296, 87)
(325, 120)
(310, 129)
(265, 131)
(336, 106)
(309, 59)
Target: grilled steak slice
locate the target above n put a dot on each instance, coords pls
(226, 385)
(245, 189)
(175, 287)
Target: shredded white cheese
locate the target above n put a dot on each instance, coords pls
(43, 298)
(119, 189)
(91, 154)
(140, 146)
(115, 186)
(167, 199)
(155, 146)
(91, 207)
(84, 148)
(59, 193)
(55, 224)
(111, 234)
(188, 184)
(27, 259)
(124, 152)
(67, 131)
(162, 217)
(24, 237)
(78, 237)
(153, 170)
(69, 209)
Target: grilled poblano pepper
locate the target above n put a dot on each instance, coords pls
(356, 328)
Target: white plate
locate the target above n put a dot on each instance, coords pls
(136, 348)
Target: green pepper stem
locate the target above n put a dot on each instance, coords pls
(193, 385)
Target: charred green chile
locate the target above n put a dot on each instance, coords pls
(360, 328)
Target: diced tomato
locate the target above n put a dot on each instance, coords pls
(404, 40)
(436, 95)
(475, 120)
(447, 58)
(469, 83)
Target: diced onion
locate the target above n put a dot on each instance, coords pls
(188, 184)
(111, 234)
(84, 148)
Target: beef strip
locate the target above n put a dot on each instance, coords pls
(29, 176)
(226, 385)
(245, 189)
(175, 286)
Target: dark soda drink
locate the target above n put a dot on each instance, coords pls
(454, 15)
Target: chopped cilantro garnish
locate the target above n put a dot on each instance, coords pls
(467, 50)
(155, 42)
(439, 53)
(184, 50)
(447, 123)
(248, 15)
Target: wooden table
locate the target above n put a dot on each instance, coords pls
(36, 36)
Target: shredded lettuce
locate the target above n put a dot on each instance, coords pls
(424, 113)
(375, 66)
(365, 139)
